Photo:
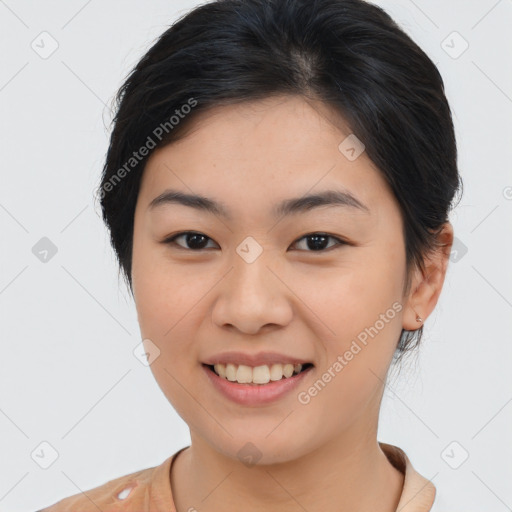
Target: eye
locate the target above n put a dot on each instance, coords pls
(195, 241)
(318, 241)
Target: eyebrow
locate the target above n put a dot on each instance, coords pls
(285, 208)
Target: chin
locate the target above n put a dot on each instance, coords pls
(260, 450)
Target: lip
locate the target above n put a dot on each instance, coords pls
(253, 360)
(255, 394)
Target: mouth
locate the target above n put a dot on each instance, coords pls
(257, 375)
(255, 386)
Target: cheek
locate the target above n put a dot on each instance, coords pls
(167, 307)
(359, 307)
(349, 298)
(361, 324)
(160, 290)
(168, 313)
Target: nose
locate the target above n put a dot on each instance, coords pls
(252, 297)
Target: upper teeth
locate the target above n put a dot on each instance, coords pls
(257, 375)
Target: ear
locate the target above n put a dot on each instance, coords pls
(426, 287)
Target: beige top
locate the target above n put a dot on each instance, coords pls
(149, 490)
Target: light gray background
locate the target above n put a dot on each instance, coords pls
(68, 375)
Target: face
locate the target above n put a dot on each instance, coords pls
(317, 282)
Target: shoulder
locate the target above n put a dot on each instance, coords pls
(125, 493)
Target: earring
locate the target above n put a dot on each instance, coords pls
(419, 319)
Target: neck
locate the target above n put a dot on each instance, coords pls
(351, 473)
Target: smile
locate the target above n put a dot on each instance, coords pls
(259, 388)
(262, 374)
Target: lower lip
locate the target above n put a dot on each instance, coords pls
(255, 394)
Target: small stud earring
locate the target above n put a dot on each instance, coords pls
(419, 319)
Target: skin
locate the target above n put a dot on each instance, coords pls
(193, 304)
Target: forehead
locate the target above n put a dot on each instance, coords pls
(264, 150)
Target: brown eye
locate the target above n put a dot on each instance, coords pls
(317, 242)
(193, 241)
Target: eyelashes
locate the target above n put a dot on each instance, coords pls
(197, 236)
(198, 240)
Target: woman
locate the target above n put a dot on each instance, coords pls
(277, 190)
